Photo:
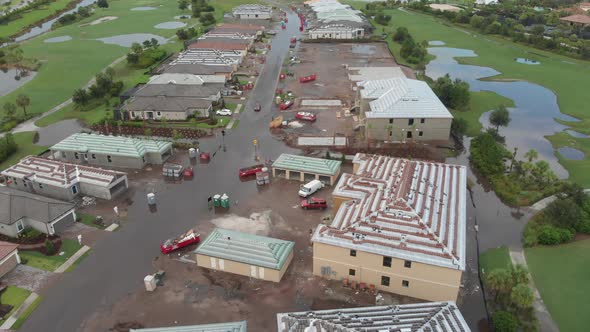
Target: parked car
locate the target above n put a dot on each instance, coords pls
(313, 203)
(307, 116)
(285, 105)
(251, 170)
(310, 188)
(224, 112)
(181, 241)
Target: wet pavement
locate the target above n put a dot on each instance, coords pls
(8, 83)
(120, 260)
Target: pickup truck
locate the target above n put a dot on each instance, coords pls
(285, 105)
(252, 170)
(307, 116)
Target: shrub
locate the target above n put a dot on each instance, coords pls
(504, 321)
(382, 19)
(551, 235)
(49, 247)
(487, 155)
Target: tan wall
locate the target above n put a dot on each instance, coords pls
(242, 268)
(432, 129)
(163, 115)
(8, 263)
(426, 281)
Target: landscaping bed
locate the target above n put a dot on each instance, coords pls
(187, 133)
(51, 263)
(28, 236)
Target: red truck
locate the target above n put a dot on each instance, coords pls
(313, 203)
(309, 78)
(252, 170)
(307, 116)
(285, 105)
(181, 241)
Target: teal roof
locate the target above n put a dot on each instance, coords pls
(307, 164)
(246, 248)
(114, 145)
(220, 327)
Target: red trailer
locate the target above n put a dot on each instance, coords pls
(306, 79)
(251, 170)
(181, 241)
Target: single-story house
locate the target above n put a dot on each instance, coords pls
(246, 29)
(9, 257)
(189, 79)
(113, 151)
(429, 316)
(64, 181)
(336, 31)
(19, 210)
(306, 168)
(222, 44)
(402, 109)
(209, 57)
(218, 327)
(578, 20)
(252, 12)
(226, 71)
(210, 92)
(169, 108)
(245, 254)
(585, 6)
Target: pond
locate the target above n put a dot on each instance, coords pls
(571, 153)
(56, 132)
(170, 25)
(576, 134)
(129, 39)
(527, 61)
(535, 109)
(8, 83)
(47, 25)
(436, 43)
(142, 9)
(58, 39)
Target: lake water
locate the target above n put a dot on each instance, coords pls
(47, 25)
(170, 25)
(571, 153)
(527, 61)
(142, 9)
(532, 118)
(436, 43)
(127, 40)
(58, 39)
(9, 84)
(576, 134)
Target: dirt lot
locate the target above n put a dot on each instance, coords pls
(192, 295)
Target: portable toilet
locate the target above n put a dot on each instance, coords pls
(225, 201)
(150, 283)
(151, 198)
(192, 153)
(217, 200)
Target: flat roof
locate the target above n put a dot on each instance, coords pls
(218, 327)
(246, 248)
(60, 174)
(402, 97)
(407, 209)
(307, 164)
(359, 74)
(114, 145)
(421, 317)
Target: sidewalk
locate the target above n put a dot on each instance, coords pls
(546, 322)
(12, 319)
(72, 259)
(230, 124)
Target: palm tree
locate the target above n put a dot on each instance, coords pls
(531, 155)
(499, 281)
(522, 297)
(23, 101)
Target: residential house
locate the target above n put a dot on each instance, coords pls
(429, 316)
(9, 257)
(112, 151)
(64, 181)
(400, 227)
(226, 70)
(245, 254)
(19, 210)
(241, 45)
(304, 168)
(189, 79)
(218, 327)
(585, 6)
(401, 110)
(209, 57)
(577, 20)
(246, 29)
(252, 12)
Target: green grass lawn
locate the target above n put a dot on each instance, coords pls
(50, 263)
(31, 17)
(561, 275)
(26, 147)
(578, 169)
(497, 258)
(23, 317)
(88, 219)
(15, 297)
(481, 102)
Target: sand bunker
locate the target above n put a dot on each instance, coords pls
(103, 19)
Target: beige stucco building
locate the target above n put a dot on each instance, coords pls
(245, 254)
(402, 110)
(399, 227)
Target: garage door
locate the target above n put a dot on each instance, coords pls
(63, 223)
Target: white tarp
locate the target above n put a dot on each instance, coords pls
(321, 102)
(321, 141)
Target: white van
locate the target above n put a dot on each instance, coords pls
(310, 188)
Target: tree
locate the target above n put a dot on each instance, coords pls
(182, 34)
(531, 155)
(49, 247)
(488, 155)
(80, 97)
(102, 4)
(110, 72)
(136, 48)
(154, 43)
(504, 321)
(9, 109)
(132, 58)
(563, 212)
(459, 127)
(500, 117)
(500, 282)
(147, 44)
(207, 19)
(23, 101)
(382, 19)
(182, 4)
(83, 11)
(522, 296)
(401, 35)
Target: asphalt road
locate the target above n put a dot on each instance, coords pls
(119, 262)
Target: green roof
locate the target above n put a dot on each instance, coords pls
(220, 327)
(246, 248)
(307, 164)
(114, 145)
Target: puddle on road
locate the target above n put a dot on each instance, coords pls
(571, 153)
(128, 40)
(56, 132)
(58, 39)
(527, 61)
(533, 116)
(142, 9)
(364, 49)
(576, 134)
(436, 43)
(170, 25)
(9, 83)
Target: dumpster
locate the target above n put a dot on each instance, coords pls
(225, 201)
(217, 200)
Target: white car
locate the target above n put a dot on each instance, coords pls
(224, 111)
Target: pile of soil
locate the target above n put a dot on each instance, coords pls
(126, 326)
